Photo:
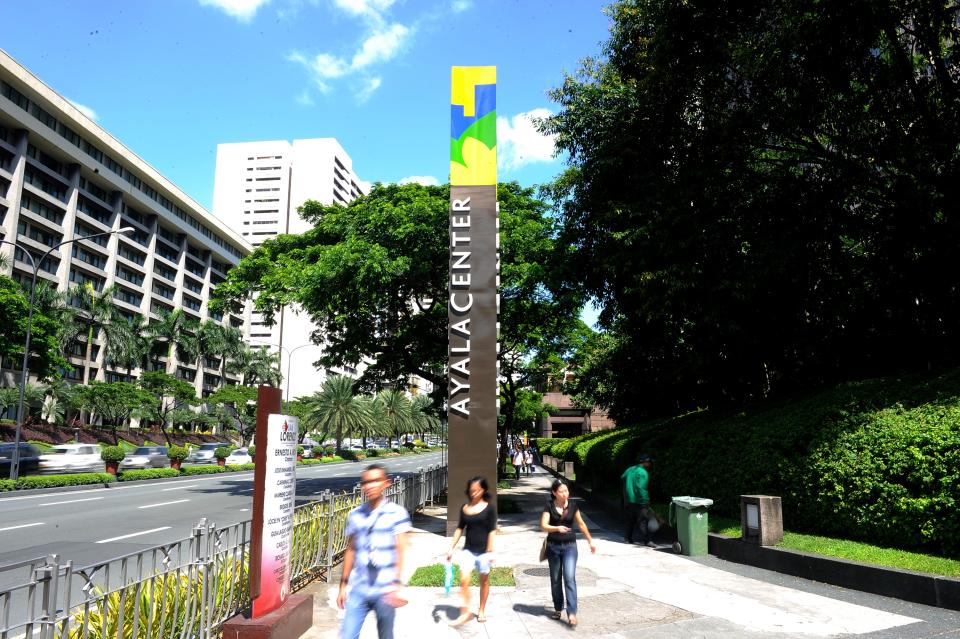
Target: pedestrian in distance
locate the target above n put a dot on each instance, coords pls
(376, 541)
(636, 501)
(559, 517)
(478, 527)
(528, 460)
(518, 461)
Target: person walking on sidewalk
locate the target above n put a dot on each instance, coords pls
(518, 461)
(558, 518)
(376, 540)
(636, 496)
(478, 526)
(528, 460)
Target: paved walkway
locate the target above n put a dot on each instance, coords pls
(625, 592)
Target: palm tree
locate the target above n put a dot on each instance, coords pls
(257, 366)
(423, 420)
(336, 409)
(48, 301)
(96, 310)
(215, 339)
(175, 332)
(393, 410)
(128, 344)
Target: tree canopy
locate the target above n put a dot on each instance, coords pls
(763, 195)
(46, 358)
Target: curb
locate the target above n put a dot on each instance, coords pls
(916, 587)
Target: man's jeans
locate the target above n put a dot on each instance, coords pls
(562, 559)
(358, 605)
(637, 519)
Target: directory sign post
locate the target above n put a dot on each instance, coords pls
(274, 499)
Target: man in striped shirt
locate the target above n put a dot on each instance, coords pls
(376, 539)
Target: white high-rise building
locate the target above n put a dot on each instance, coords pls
(258, 188)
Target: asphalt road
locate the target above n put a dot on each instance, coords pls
(89, 526)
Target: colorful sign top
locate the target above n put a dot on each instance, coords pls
(473, 126)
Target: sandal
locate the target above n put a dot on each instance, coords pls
(481, 617)
(572, 620)
(556, 614)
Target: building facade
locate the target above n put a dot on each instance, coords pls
(569, 420)
(61, 177)
(258, 188)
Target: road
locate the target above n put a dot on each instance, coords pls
(95, 525)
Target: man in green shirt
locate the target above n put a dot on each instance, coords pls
(636, 494)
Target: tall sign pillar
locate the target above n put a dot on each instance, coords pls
(474, 303)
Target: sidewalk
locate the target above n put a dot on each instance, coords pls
(624, 591)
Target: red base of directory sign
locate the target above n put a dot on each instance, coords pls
(289, 621)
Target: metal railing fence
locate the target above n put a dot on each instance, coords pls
(185, 589)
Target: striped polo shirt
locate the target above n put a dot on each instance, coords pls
(374, 534)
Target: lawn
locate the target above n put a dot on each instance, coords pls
(433, 574)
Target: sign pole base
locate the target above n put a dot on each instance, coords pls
(290, 621)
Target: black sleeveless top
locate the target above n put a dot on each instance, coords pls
(566, 519)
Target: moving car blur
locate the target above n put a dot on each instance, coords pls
(29, 459)
(72, 458)
(146, 457)
(204, 454)
(239, 456)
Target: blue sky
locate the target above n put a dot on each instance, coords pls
(171, 79)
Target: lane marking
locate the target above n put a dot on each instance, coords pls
(70, 501)
(142, 532)
(243, 510)
(177, 487)
(40, 523)
(165, 503)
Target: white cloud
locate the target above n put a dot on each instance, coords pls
(459, 6)
(520, 143)
(87, 111)
(372, 84)
(305, 99)
(242, 10)
(382, 42)
(426, 180)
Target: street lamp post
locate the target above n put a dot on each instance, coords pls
(15, 458)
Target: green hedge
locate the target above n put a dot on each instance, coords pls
(202, 470)
(6, 484)
(309, 462)
(329, 460)
(877, 461)
(57, 481)
(235, 468)
(148, 473)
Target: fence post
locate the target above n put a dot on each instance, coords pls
(328, 499)
(47, 575)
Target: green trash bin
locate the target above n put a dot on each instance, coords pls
(689, 516)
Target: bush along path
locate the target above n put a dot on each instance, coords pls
(875, 461)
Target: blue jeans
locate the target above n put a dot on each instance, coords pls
(359, 604)
(562, 559)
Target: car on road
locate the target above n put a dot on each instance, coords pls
(29, 459)
(204, 454)
(72, 458)
(239, 456)
(373, 446)
(146, 457)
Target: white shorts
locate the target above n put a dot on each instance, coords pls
(468, 561)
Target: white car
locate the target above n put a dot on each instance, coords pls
(204, 454)
(239, 456)
(72, 458)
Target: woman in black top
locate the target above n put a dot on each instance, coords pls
(478, 525)
(558, 518)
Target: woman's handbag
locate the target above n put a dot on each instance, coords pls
(543, 550)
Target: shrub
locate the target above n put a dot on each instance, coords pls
(5, 485)
(57, 481)
(300, 451)
(309, 462)
(331, 459)
(351, 455)
(222, 452)
(373, 452)
(177, 452)
(112, 453)
(202, 470)
(328, 450)
(251, 450)
(235, 468)
(149, 473)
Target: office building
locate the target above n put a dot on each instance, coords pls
(257, 190)
(62, 176)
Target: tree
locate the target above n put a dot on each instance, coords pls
(236, 408)
(373, 277)
(96, 310)
(45, 354)
(336, 409)
(422, 415)
(116, 402)
(128, 343)
(257, 366)
(176, 333)
(170, 394)
(392, 410)
(763, 195)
